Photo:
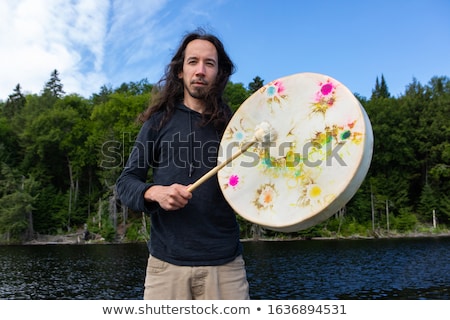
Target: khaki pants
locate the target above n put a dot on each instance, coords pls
(165, 281)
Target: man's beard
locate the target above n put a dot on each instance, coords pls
(198, 92)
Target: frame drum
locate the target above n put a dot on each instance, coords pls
(314, 166)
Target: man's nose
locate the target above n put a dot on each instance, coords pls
(200, 69)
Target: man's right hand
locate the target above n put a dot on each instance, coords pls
(172, 197)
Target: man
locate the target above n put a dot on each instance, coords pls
(195, 251)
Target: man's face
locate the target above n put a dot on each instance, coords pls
(200, 68)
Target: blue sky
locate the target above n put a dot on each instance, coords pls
(94, 43)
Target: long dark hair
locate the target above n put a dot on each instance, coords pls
(169, 91)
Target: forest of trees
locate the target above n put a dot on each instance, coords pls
(60, 155)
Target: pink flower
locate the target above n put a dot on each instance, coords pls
(326, 88)
(279, 85)
(234, 180)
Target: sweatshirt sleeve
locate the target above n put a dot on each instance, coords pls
(132, 182)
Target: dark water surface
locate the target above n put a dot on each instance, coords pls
(323, 269)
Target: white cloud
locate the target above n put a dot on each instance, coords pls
(135, 38)
(39, 36)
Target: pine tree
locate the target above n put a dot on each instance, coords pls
(384, 91)
(16, 101)
(256, 84)
(54, 86)
(381, 89)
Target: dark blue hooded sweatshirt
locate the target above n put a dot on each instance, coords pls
(205, 231)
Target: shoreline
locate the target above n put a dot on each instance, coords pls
(414, 235)
(77, 238)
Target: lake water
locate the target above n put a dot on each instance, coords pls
(322, 269)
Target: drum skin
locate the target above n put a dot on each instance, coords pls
(320, 157)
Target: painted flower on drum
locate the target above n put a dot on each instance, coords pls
(233, 133)
(338, 134)
(239, 135)
(274, 92)
(311, 195)
(326, 89)
(233, 181)
(314, 191)
(276, 87)
(325, 97)
(265, 196)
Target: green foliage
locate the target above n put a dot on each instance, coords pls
(353, 228)
(135, 88)
(313, 232)
(108, 232)
(101, 223)
(405, 221)
(9, 152)
(17, 198)
(15, 103)
(138, 229)
(235, 94)
(443, 211)
(50, 214)
(428, 202)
